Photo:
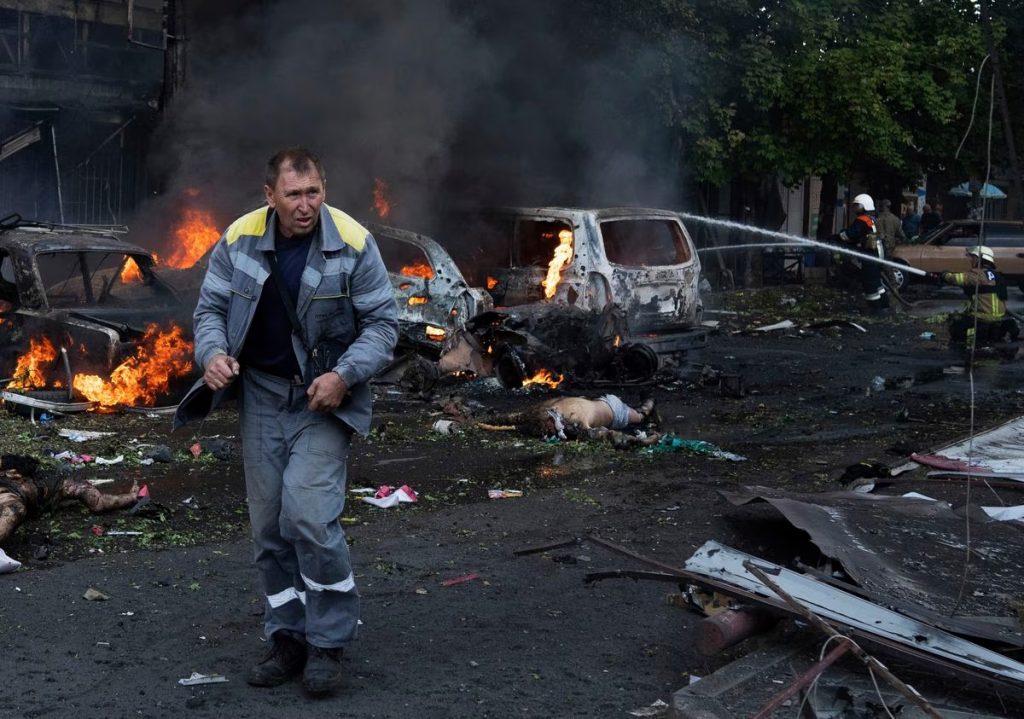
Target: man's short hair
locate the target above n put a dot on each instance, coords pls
(886, 204)
(300, 159)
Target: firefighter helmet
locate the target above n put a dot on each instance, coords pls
(983, 253)
(865, 201)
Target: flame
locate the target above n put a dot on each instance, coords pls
(617, 341)
(131, 273)
(435, 334)
(418, 300)
(563, 254)
(32, 366)
(544, 377)
(419, 269)
(160, 357)
(381, 203)
(491, 283)
(195, 234)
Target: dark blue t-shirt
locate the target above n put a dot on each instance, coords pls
(268, 345)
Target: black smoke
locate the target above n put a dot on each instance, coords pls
(453, 104)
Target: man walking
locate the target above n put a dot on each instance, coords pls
(295, 315)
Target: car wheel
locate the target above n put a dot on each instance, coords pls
(900, 279)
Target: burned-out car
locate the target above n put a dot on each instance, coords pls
(536, 262)
(434, 300)
(432, 295)
(80, 301)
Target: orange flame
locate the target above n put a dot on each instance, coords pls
(435, 334)
(491, 283)
(131, 273)
(544, 377)
(194, 235)
(32, 366)
(418, 300)
(139, 380)
(420, 269)
(563, 254)
(381, 203)
(617, 341)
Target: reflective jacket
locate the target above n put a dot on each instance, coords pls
(345, 295)
(986, 293)
(863, 235)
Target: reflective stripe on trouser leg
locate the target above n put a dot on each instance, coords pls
(312, 499)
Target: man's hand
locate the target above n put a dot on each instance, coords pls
(220, 372)
(326, 392)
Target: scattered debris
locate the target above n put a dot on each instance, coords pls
(504, 493)
(446, 426)
(8, 564)
(671, 443)
(657, 709)
(81, 435)
(94, 595)
(997, 450)
(460, 580)
(116, 460)
(159, 453)
(196, 678)
(387, 496)
(861, 530)
(724, 565)
(1005, 514)
(825, 324)
(784, 325)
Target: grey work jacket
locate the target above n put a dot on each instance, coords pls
(345, 294)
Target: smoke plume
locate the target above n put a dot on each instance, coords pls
(453, 104)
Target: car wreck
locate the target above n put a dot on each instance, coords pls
(631, 274)
(87, 317)
(434, 301)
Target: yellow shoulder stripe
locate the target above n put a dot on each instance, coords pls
(352, 233)
(253, 223)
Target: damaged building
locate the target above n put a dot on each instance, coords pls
(82, 83)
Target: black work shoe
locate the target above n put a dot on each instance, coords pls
(323, 670)
(284, 660)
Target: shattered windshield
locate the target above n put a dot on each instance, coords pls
(96, 279)
(644, 243)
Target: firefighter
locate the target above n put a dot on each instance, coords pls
(862, 235)
(984, 317)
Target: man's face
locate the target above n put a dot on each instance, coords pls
(296, 198)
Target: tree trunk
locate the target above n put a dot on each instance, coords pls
(827, 205)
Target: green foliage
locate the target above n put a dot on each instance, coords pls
(798, 87)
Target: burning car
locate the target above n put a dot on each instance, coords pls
(538, 262)
(433, 297)
(434, 300)
(86, 315)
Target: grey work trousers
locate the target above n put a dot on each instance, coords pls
(295, 470)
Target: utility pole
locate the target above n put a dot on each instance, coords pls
(1011, 147)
